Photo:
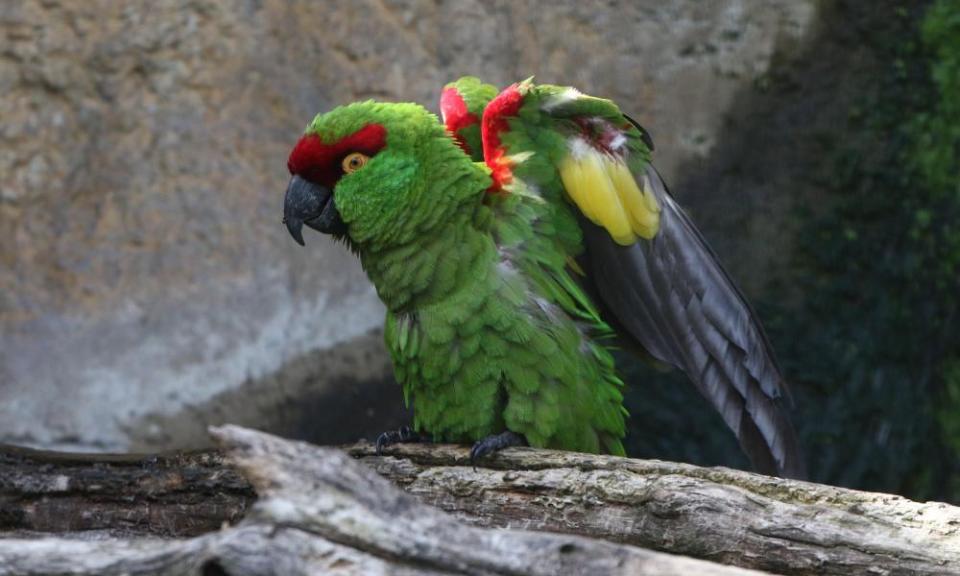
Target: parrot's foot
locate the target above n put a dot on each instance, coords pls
(494, 443)
(405, 435)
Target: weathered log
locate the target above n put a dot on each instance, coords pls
(183, 494)
(719, 514)
(320, 511)
(713, 513)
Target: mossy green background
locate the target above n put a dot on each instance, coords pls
(864, 316)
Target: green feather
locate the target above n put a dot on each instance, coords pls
(486, 326)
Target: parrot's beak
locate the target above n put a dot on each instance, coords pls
(310, 204)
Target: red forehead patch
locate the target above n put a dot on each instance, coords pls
(319, 162)
(455, 114)
(505, 106)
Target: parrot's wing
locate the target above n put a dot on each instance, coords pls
(645, 261)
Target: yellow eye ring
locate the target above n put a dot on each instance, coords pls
(353, 162)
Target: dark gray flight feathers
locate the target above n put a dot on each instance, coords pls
(674, 299)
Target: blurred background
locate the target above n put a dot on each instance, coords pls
(148, 289)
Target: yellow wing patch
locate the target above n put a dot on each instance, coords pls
(604, 189)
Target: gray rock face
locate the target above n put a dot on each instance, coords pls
(147, 286)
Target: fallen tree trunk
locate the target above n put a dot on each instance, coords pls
(724, 515)
(717, 514)
(320, 512)
(182, 494)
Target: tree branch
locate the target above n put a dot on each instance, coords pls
(317, 495)
(182, 494)
(719, 514)
(320, 511)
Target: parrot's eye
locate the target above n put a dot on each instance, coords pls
(353, 162)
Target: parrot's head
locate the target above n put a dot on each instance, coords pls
(374, 175)
(461, 106)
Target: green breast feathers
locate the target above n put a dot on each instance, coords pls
(514, 245)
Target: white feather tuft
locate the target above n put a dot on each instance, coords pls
(519, 157)
(580, 148)
(618, 142)
(554, 102)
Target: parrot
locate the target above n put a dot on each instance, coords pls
(517, 242)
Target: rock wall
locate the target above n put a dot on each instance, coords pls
(147, 287)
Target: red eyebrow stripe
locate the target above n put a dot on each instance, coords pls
(319, 162)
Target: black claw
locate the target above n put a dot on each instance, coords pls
(405, 435)
(495, 443)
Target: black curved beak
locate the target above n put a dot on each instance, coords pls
(311, 204)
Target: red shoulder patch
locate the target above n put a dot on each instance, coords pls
(317, 161)
(495, 116)
(453, 108)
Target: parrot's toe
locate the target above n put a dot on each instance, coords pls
(405, 435)
(494, 443)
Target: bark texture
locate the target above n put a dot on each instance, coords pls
(182, 494)
(319, 510)
(724, 515)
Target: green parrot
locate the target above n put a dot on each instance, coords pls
(515, 245)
